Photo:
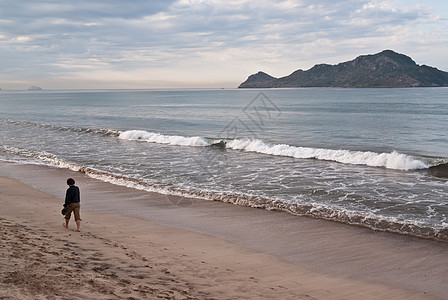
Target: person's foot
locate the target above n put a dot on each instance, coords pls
(65, 225)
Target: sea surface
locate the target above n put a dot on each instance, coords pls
(370, 157)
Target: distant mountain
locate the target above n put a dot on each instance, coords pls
(35, 88)
(384, 69)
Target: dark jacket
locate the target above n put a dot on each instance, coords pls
(72, 195)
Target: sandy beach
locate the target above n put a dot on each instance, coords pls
(128, 256)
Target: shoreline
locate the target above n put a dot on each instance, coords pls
(314, 253)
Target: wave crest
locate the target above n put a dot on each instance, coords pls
(393, 160)
(152, 137)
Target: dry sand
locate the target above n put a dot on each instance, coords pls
(122, 257)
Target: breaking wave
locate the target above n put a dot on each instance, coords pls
(392, 160)
(152, 137)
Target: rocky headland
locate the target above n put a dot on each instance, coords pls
(386, 69)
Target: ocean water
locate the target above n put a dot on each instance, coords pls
(370, 157)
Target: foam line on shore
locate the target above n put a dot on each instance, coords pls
(306, 208)
(393, 271)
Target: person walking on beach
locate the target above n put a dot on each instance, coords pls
(72, 204)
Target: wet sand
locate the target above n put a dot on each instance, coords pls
(136, 244)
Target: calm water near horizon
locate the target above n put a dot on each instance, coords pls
(372, 157)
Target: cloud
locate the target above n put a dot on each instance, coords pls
(205, 40)
(83, 10)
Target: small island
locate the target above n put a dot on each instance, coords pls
(387, 69)
(35, 88)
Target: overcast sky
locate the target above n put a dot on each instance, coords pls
(204, 43)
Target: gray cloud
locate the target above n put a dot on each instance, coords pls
(81, 10)
(160, 40)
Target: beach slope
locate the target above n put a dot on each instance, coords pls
(120, 257)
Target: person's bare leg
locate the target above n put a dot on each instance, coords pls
(78, 225)
(66, 223)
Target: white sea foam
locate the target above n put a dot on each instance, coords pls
(319, 210)
(41, 157)
(45, 158)
(152, 137)
(393, 160)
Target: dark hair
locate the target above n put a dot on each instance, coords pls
(70, 181)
